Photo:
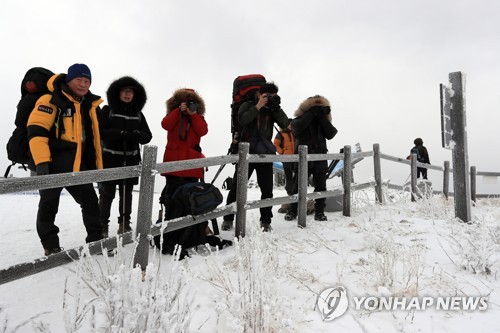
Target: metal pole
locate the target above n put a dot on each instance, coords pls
(378, 174)
(446, 179)
(302, 187)
(241, 190)
(347, 174)
(145, 206)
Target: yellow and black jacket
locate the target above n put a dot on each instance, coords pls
(65, 131)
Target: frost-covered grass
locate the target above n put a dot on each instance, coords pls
(269, 282)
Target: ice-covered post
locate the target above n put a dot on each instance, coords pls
(241, 190)
(347, 174)
(454, 134)
(473, 183)
(446, 179)
(413, 178)
(302, 187)
(145, 206)
(378, 174)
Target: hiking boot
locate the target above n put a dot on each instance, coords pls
(290, 216)
(105, 230)
(320, 217)
(226, 225)
(124, 227)
(53, 250)
(266, 227)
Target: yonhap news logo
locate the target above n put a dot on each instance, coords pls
(334, 302)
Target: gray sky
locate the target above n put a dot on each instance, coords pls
(379, 63)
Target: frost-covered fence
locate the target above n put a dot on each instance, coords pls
(146, 229)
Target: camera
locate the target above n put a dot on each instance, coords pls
(273, 101)
(192, 106)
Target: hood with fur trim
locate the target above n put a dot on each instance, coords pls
(316, 100)
(113, 93)
(183, 95)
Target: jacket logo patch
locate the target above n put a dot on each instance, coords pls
(46, 109)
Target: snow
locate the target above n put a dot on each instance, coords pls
(271, 280)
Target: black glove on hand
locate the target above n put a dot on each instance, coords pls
(320, 111)
(127, 135)
(136, 134)
(42, 169)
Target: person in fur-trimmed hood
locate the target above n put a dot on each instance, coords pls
(312, 127)
(185, 125)
(123, 128)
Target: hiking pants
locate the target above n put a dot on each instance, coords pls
(107, 191)
(48, 206)
(318, 170)
(264, 180)
(288, 168)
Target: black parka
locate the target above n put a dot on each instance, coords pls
(313, 125)
(119, 116)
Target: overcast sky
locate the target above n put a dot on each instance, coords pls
(380, 63)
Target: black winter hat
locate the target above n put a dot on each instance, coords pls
(418, 142)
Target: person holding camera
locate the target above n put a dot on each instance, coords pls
(185, 125)
(123, 128)
(312, 127)
(257, 118)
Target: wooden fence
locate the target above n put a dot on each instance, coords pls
(150, 169)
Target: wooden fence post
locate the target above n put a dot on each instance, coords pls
(302, 187)
(347, 174)
(145, 206)
(241, 190)
(446, 179)
(473, 183)
(413, 178)
(460, 155)
(378, 174)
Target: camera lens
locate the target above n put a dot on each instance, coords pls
(193, 106)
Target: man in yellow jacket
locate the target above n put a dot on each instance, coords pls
(63, 133)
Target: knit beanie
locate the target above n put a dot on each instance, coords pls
(78, 70)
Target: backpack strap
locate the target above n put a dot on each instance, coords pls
(7, 171)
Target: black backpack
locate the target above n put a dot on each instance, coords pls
(244, 87)
(191, 199)
(416, 151)
(33, 86)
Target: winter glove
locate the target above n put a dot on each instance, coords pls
(127, 135)
(136, 134)
(42, 169)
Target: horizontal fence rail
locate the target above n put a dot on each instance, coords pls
(146, 228)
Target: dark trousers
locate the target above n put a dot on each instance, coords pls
(264, 180)
(288, 168)
(85, 196)
(107, 192)
(318, 170)
(422, 171)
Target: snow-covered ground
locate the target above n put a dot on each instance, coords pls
(267, 282)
